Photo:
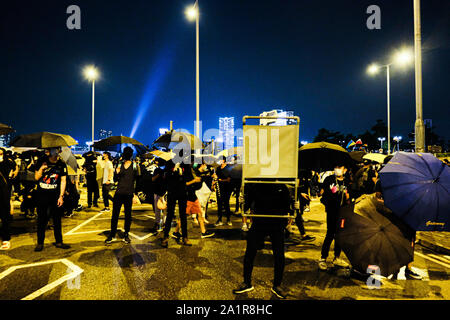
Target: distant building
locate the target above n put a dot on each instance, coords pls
(103, 134)
(276, 122)
(226, 132)
(5, 140)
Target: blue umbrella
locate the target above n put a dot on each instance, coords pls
(416, 187)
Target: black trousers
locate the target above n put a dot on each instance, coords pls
(4, 231)
(46, 209)
(106, 188)
(172, 198)
(119, 200)
(254, 237)
(224, 203)
(332, 215)
(92, 189)
(299, 222)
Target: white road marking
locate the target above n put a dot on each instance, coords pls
(434, 260)
(76, 271)
(84, 223)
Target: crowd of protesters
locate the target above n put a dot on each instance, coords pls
(48, 188)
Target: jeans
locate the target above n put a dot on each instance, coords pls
(47, 209)
(171, 203)
(119, 200)
(105, 194)
(254, 237)
(332, 215)
(224, 203)
(92, 189)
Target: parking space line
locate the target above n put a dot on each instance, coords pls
(434, 260)
(84, 223)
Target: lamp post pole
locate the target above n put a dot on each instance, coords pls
(93, 112)
(419, 125)
(388, 111)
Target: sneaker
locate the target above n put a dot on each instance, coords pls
(39, 247)
(308, 238)
(411, 274)
(105, 210)
(110, 240)
(207, 234)
(6, 245)
(340, 263)
(79, 208)
(218, 223)
(229, 223)
(62, 246)
(164, 242)
(176, 235)
(323, 265)
(243, 288)
(95, 205)
(307, 209)
(186, 242)
(280, 293)
(126, 239)
(244, 227)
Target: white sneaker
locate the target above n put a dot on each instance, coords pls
(6, 245)
(323, 264)
(340, 263)
(244, 227)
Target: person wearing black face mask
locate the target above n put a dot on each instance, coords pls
(334, 193)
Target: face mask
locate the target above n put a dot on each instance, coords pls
(338, 172)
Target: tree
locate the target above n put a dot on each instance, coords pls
(329, 136)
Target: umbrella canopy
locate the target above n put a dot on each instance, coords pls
(5, 129)
(161, 154)
(357, 156)
(375, 157)
(44, 140)
(239, 151)
(173, 139)
(322, 156)
(209, 159)
(69, 158)
(117, 143)
(416, 187)
(370, 235)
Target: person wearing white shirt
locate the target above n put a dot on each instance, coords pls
(108, 180)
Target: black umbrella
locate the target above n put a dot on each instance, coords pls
(5, 129)
(43, 140)
(118, 143)
(357, 156)
(370, 235)
(322, 156)
(175, 139)
(234, 171)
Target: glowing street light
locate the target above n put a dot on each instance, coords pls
(402, 57)
(193, 14)
(381, 139)
(91, 74)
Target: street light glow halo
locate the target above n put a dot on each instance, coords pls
(192, 13)
(373, 69)
(91, 73)
(403, 57)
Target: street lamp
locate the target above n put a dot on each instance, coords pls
(193, 14)
(381, 139)
(92, 74)
(397, 139)
(401, 57)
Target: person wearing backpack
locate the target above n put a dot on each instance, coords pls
(126, 176)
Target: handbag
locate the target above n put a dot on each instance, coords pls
(162, 203)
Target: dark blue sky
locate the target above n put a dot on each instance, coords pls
(306, 56)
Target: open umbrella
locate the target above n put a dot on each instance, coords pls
(238, 151)
(375, 157)
(322, 156)
(118, 143)
(357, 156)
(416, 187)
(175, 139)
(209, 159)
(5, 129)
(43, 140)
(69, 158)
(370, 235)
(161, 154)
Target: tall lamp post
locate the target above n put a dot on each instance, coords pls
(193, 14)
(91, 74)
(402, 58)
(381, 139)
(419, 127)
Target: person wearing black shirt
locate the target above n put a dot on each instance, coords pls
(159, 190)
(51, 175)
(90, 169)
(4, 213)
(334, 194)
(273, 199)
(224, 191)
(127, 174)
(8, 168)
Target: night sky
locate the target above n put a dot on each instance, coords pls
(302, 55)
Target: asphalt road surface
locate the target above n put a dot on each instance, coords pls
(209, 270)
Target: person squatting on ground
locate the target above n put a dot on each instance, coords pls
(108, 180)
(334, 194)
(51, 176)
(274, 199)
(126, 176)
